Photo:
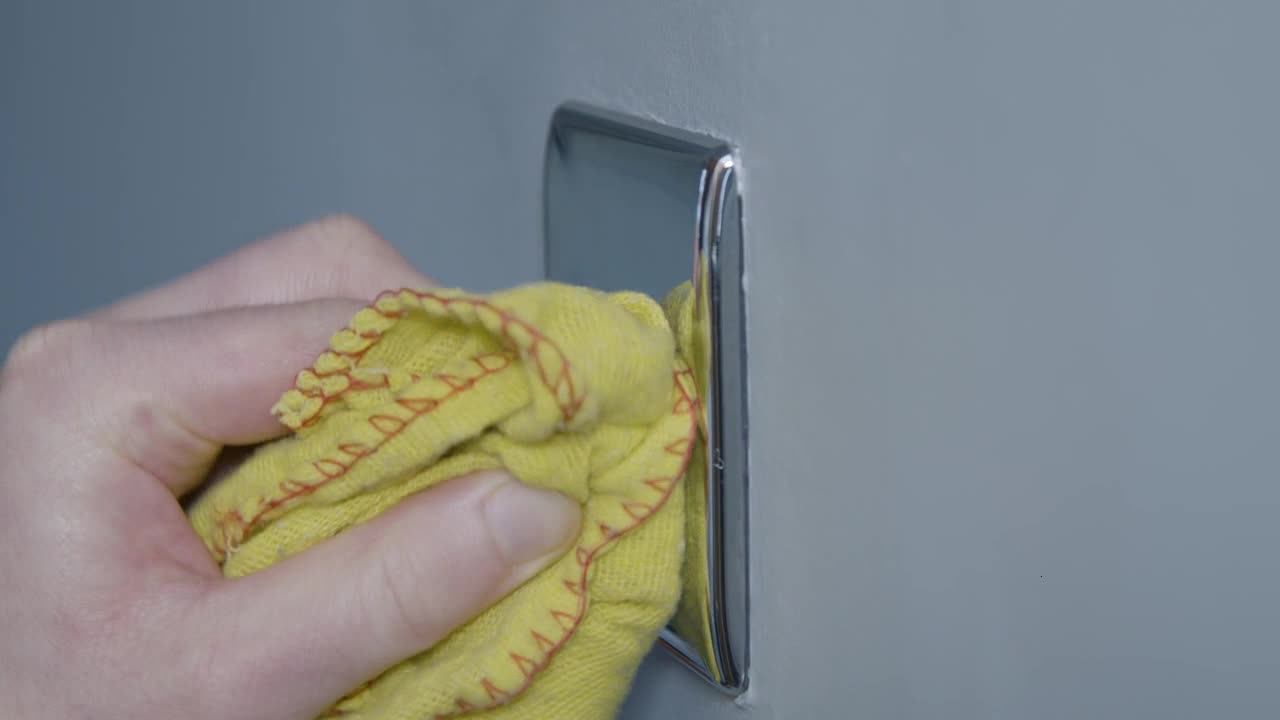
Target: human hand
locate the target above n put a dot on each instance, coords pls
(111, 607)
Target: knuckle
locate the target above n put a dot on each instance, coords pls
(420, 596)
(398, 604)
(45, 346)
(347, 235)
(331, 238)
(358, 260)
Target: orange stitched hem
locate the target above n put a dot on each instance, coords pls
(559, 381)
(640, 512)
(233, 527)
(572, 402)
(349, 360)
(579, 589)
(389, 306)
(232, 522)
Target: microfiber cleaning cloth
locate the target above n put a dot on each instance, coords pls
(567, 388)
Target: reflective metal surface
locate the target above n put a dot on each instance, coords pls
(631, 204)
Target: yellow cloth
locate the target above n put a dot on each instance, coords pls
(568, 388)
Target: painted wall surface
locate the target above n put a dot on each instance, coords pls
(1011, 271)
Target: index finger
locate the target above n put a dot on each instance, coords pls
(337, 256)
(168, 394)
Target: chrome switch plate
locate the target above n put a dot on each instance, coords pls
(631, 204)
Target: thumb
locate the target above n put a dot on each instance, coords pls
(311, 629)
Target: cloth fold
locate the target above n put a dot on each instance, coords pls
(569, 389)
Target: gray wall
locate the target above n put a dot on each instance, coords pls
(1012, 271)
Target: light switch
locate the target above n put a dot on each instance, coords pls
(631, 204)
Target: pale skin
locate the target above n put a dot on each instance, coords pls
(111, 607)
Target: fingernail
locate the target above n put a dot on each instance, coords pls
(528, 523)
